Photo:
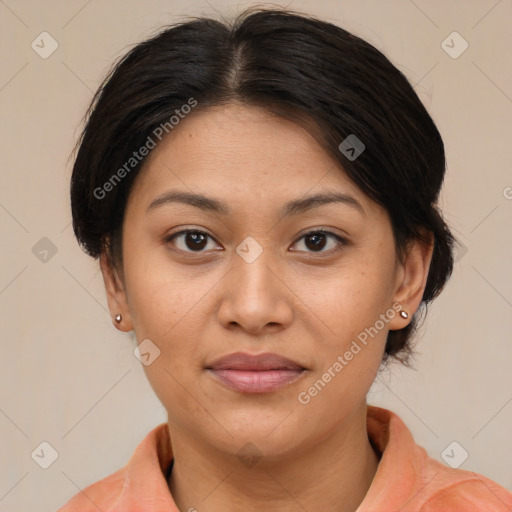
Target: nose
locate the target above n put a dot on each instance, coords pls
(255, 297)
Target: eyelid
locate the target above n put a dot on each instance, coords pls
(188, 229)
(342, 241)
(308, 231)
(322, 229)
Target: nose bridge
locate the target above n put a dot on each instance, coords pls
(254, 296)
(254, 265)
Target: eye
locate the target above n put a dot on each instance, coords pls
(193, 240)
(190, 240)
(317, 240)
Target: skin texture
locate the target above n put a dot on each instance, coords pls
(303, 303)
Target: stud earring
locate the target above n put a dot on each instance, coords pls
(404, 314)
(118, 318)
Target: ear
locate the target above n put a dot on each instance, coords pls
(116, 295)
(412, 279)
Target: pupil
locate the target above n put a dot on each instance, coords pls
(198, 241)
(196, 237)
(318, 244)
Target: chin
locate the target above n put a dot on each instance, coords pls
(265, 433)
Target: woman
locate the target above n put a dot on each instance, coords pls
(262, 199)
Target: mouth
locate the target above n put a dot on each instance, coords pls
(261, 373)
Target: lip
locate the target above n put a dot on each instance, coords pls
(261, 373)
(254, 362)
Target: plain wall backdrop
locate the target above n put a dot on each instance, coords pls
(70, 379)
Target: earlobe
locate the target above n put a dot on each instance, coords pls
(116, 295)
(414, 274)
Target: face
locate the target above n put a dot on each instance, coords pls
(316, 282)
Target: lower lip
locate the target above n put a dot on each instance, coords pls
(257, 381)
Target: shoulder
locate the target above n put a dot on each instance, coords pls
(139, 485)
(457, 490)
(410, 480)
(445, 489)
(97, 496)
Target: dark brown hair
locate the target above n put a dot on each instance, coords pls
(313, 72)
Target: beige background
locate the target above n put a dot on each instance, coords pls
(69, 378)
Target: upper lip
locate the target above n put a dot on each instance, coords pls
(259, 362)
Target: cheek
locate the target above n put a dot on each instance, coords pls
(169, 309)
(169, 306)
(159, 294)
(350, 299)
(349, 356)
(355, 307)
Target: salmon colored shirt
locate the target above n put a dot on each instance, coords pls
(407, 479)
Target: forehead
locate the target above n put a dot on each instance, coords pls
(242, 153)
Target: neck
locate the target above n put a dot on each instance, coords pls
(333, 474)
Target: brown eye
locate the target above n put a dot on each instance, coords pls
(316, 241)
(190, 240)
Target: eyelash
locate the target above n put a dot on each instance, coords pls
(340, 240)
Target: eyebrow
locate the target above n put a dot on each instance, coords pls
(294, 207)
